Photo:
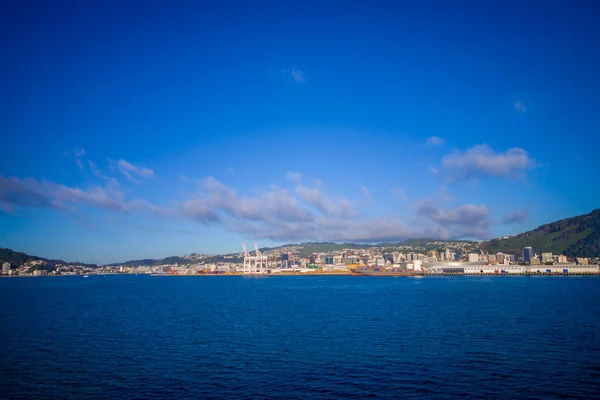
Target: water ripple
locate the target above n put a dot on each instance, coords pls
(299, 338)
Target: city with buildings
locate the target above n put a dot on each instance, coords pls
(447, 258)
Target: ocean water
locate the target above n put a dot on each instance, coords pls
(144, 337)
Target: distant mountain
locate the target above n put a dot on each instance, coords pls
(18, 258)
(575, 237)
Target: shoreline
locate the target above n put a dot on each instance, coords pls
(311, 274)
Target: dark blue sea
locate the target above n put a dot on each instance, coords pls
(142, 337)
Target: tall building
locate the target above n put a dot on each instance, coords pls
(547, 257)
(432, 255)
(562, 259)
(527, 254)
(449, 255)
(500, 257)
(329, 260)
(473, 257)
(6, 268)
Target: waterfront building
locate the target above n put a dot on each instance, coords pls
(562, 259)
(527, 254)
(473, 257)
(6, 268)
(448, 255)
(500, 257)
(547, 257)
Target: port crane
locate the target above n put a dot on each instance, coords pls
(256, 264)
(260, 261)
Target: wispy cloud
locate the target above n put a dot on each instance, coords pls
(297, 76)
(520, 106)
(284, 214)
(435, 141)
(367, 193)
(482, 160)
(294, 176)
(132, 172)
(518, 217)
(443, 195)
(399, 193)
(78, 155)
(434, 170)
(325, 203)
(95, 170)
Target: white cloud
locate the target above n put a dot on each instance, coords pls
(469, 220)
(294, 176)
(325, 203)
(297, 75)
(482, 160)
(299, 213)
(434, 170)
(132, 172)
(520, 106)
(435, 141)
(16, 193)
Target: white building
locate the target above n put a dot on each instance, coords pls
(547, 257)
(6, 268)
(473, 257)
(562, 259)
(448, 255)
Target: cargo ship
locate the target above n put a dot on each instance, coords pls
(379, 272)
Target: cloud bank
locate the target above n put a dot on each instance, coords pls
(481, 160)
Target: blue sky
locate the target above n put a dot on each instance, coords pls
(146, 130)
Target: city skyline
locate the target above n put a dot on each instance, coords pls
(147, 132)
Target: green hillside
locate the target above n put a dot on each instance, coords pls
(575, 237)
(15, 257)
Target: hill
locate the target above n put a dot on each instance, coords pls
(18, 258)
(575, 237)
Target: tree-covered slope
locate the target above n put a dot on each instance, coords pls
(577, 236)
